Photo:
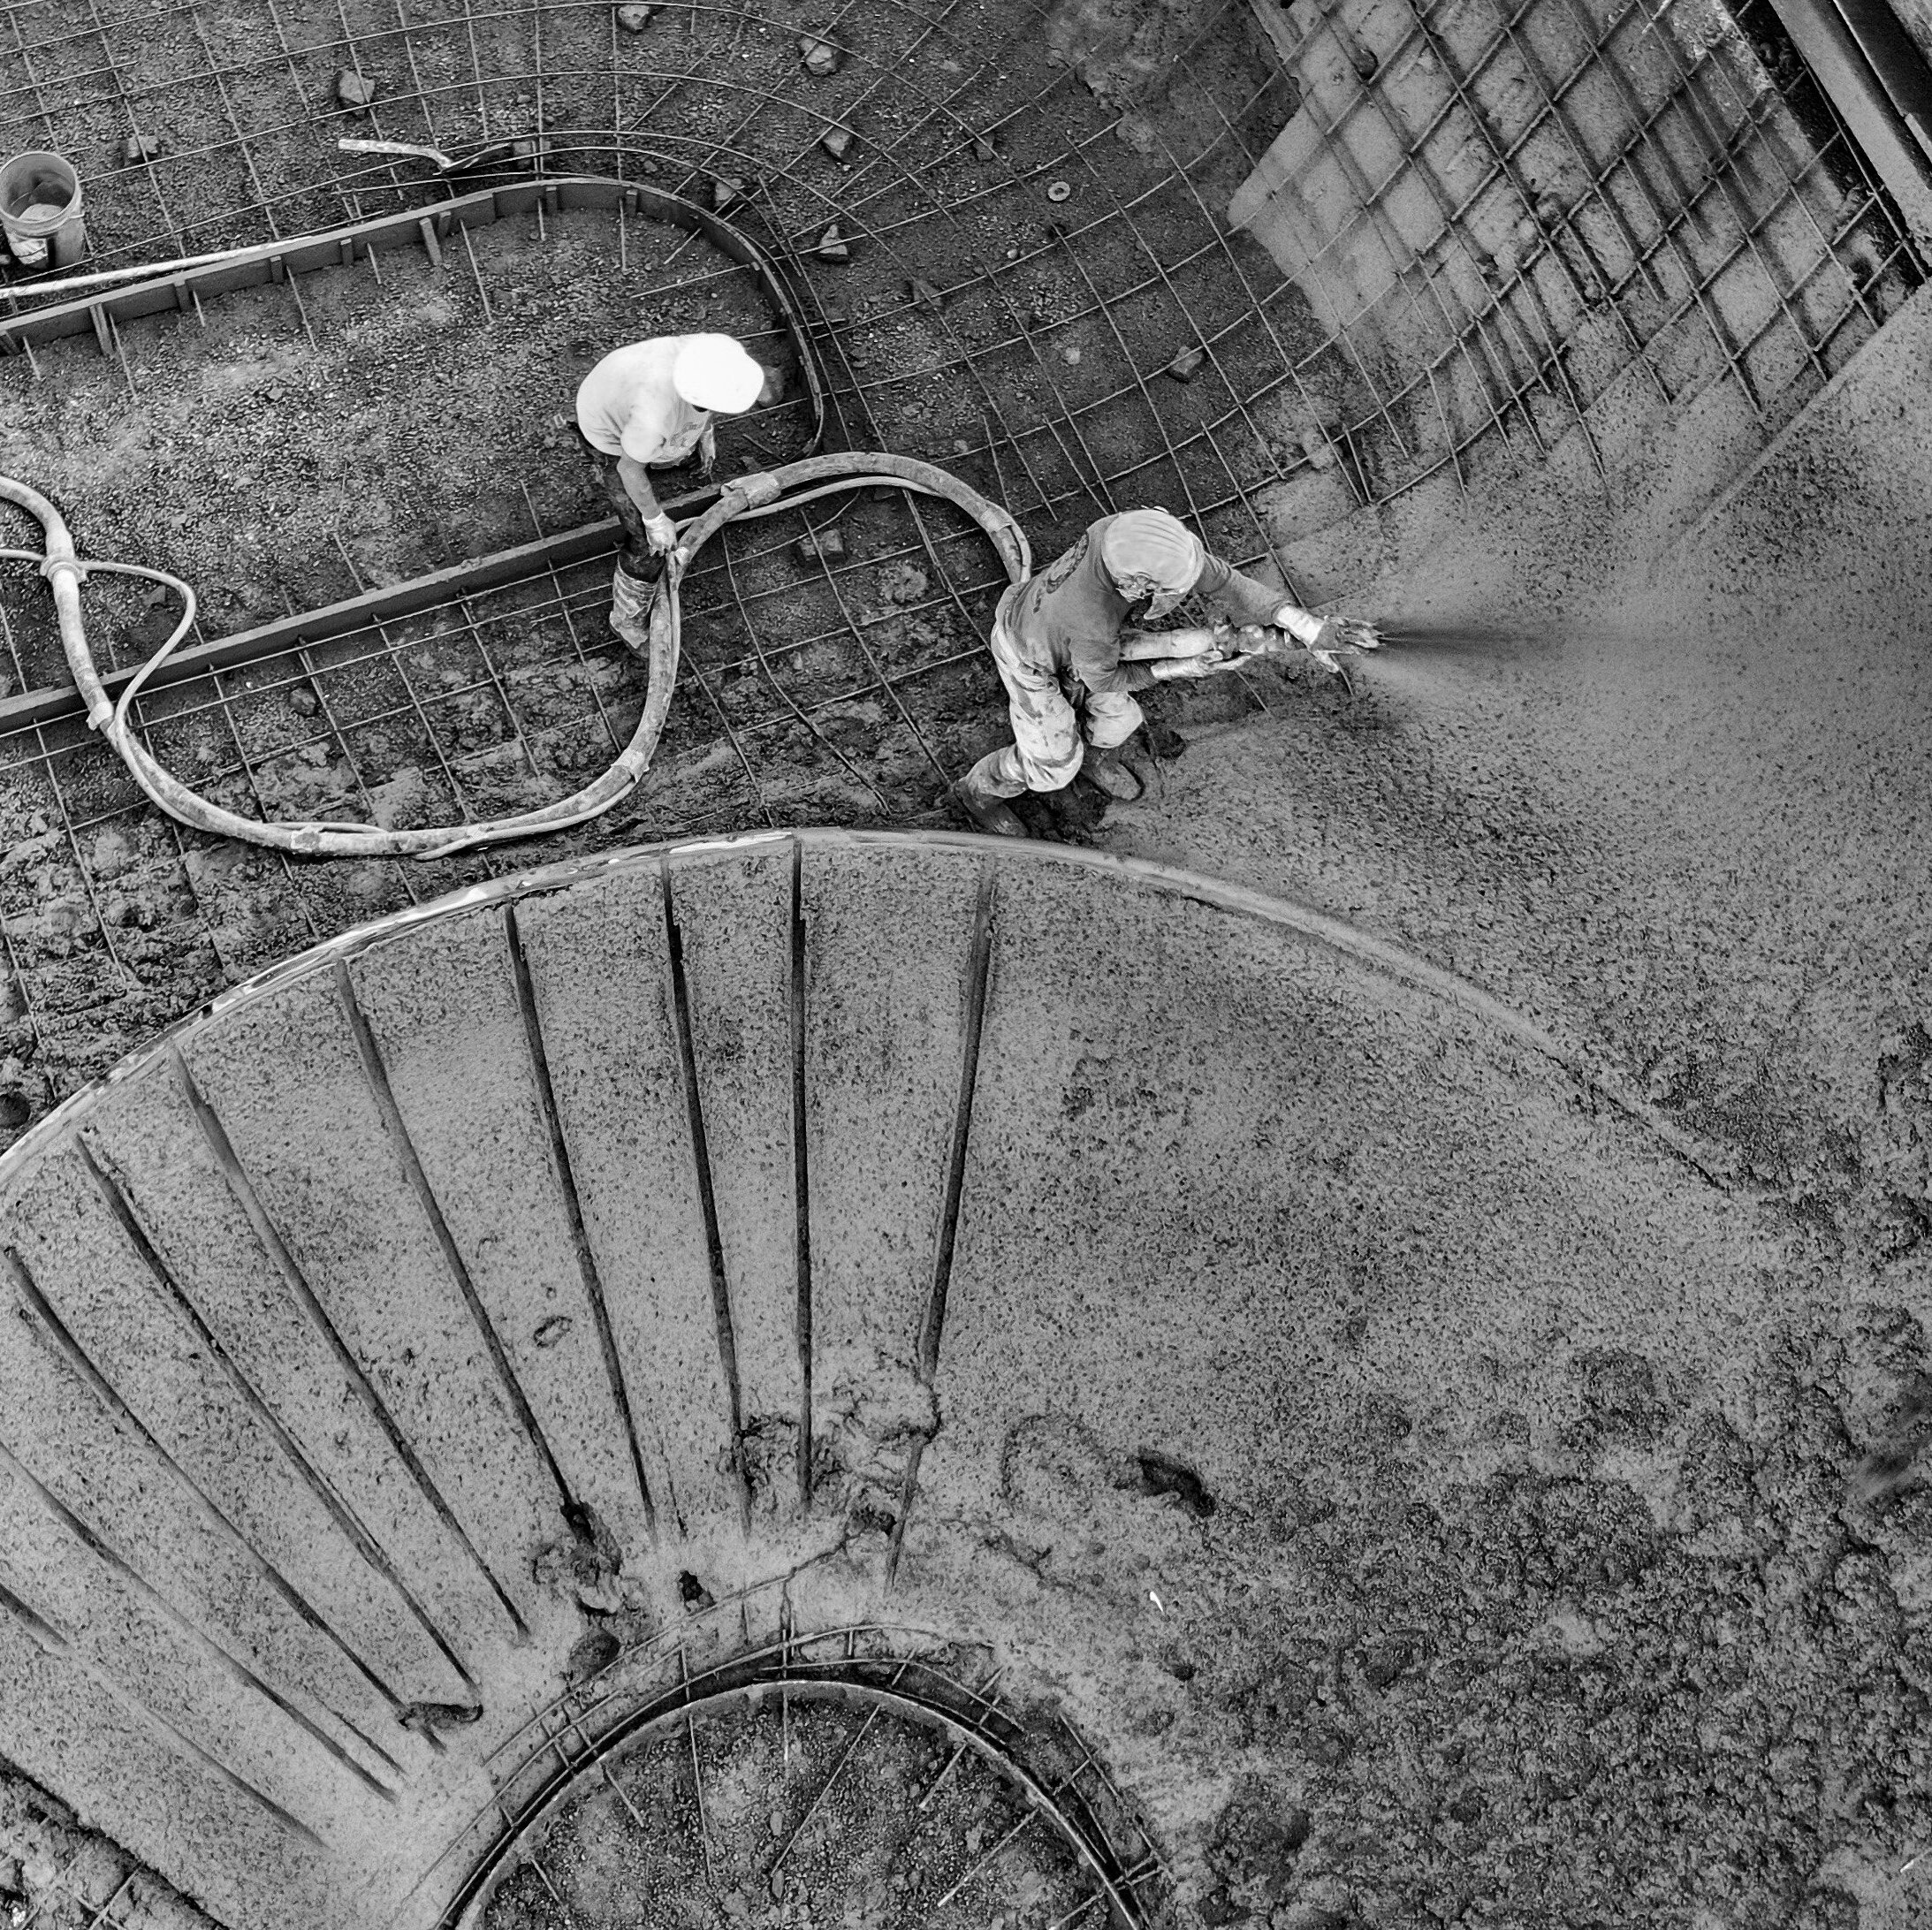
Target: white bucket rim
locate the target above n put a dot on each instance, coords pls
(40, 221)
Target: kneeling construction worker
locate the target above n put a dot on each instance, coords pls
(1070, 663)
(649, 406)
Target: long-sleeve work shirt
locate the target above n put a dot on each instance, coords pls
(1069, 616)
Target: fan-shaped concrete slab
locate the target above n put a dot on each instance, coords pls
(479, 1283)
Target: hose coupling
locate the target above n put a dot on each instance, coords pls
(753, 492)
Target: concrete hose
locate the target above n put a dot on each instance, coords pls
(765, 494)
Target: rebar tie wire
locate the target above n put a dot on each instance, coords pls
(765, 494)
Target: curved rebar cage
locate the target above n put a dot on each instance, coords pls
(744, 1656)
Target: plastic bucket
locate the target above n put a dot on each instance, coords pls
(40, 201)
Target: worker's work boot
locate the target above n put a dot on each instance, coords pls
(1104, 771)
(1146, 770)
(982, 793)
(990, 814)
(630, 606)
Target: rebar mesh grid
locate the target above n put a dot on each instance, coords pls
(1024, 361)
(65, 1876)
(1043, 292)
(830, 695)
(1517, 208)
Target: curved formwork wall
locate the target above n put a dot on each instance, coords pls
(496, 1288)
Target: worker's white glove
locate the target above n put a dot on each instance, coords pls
(1177, 669)
(1338, 633)
(1347, 633)
(1149, 646)
(661, 533)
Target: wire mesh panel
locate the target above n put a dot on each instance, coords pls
(1016, 275)
(1506, 208)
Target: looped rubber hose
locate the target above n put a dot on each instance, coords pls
(750, 496)
(764, 494)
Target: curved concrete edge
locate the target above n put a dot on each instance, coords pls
(489, 1268)
(1380, 955)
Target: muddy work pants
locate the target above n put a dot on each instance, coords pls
(638, 565)
(1053, 723)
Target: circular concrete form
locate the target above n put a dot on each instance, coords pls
(649, 1263)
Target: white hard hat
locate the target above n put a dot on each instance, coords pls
(1154, 547)
(714, 372)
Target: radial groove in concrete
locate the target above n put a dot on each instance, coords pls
(735, 922)
(230, 1480)
(481, 1159)
(239, 1283)
(601, 975)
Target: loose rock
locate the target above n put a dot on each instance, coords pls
(821, 57)
(591, 1654)
(837, 141)
(635, 20)
(355, 91)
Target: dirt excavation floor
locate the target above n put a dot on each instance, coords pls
(1630, 1645)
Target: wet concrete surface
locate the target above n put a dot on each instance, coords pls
(1318, 1395)
(1666, 794)
(1657, 778)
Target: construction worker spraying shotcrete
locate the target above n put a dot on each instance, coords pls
(1070, 665)
(649, 406)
